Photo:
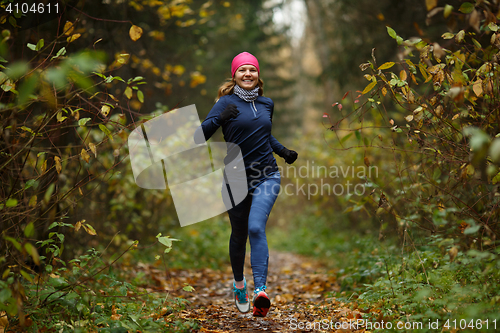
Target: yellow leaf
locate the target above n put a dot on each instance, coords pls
(85, 155)
(413, 78)
(73, 38)
(384, 91)
(178, 70)
(439, 110)
(430, 4)
(460, 36)
(386, 65)
(105, 110)
(196, 79)
(135, 32)
(453, 253)
(478, 87)
(93, 148)
(369, 87)
(60, 117)
(57, 159)
(80, 190)
(78, 225)
(448, 35)
(368, 77)
(33, 201)
(409, 118)
(89, 229)
(455, 116)
(32, 252)
(470, 169)
(423, 71)
(68, 28)
(447, 10)
(128, 92)
(403, 75)
(44, 166)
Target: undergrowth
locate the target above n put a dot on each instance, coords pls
(432, 283)
(90, 293)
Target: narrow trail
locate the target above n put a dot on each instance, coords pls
(297, 287)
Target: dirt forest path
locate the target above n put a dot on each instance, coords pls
(297, 288)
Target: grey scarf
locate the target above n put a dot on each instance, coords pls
(246, 95)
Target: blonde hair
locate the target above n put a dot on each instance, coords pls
(227, 88)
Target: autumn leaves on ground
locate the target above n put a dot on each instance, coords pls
(298, 288)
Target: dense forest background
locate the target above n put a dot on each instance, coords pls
(393, 107)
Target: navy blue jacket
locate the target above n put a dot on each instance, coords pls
(251, 131)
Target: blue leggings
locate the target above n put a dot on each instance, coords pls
(249, 219)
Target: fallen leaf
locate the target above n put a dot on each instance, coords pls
(4, 321)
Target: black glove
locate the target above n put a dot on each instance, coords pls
(229, 112)
(289, 155)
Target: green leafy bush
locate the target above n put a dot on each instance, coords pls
(431, 118)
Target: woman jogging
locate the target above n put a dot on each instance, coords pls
(246, 119)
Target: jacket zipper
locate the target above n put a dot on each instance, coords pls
(254, 109)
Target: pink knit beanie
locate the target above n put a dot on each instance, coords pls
(244, 58)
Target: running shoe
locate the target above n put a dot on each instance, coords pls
(261, 302)
(241, 297)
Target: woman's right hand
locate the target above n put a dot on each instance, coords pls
(230, 112)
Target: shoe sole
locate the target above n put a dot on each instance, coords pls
(261, 306)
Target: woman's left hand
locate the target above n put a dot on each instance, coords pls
(289, 155)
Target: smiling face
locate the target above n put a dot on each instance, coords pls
(247, 77)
